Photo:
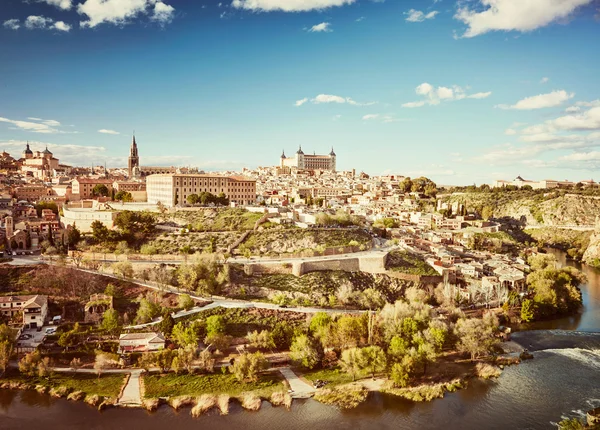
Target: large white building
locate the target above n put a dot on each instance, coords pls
(543, 184)
(304, 161)
(174, 189)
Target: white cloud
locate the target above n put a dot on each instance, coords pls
(510, 131)
(433, 96)
(61, 4)
(589, 120)
(572, 109)
(163, 13)
(419, 16)
(121, 12)
(12, 24)
(445, 93)
(61, 26)
(593, 103)
(329, 98)
(480, 95)
(540, 101)
(37, 23)
(544, 80)
(36, 125)
(288, 5)
(105, 131)
(322, 27)
(370, 116)
(34, 22)
(514, 15)
(362, 18)
(414, 104)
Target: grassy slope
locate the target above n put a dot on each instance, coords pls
(404, 262)
(105, 386)
(171, 385)
(296, 240)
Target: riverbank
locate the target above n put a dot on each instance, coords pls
(448, 374)
(98, 391)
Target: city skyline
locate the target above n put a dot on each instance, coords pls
(435, 88)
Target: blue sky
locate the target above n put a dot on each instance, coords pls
(457, 91)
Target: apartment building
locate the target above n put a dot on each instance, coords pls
(174, 189)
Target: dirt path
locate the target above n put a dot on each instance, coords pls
(299, 388)
(132, 394)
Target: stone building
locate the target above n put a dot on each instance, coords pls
(313, 162)
(174, 189)
(40, 164)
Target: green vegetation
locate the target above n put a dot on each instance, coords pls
(405, 262)
(124, 196)
(205, 198)
(325, 289)
(204, 274)
(190, 243)
(334, 376)
(344, 399)
(216, 219)
(425, 392)
(340, 219)
(108, 385)
(172, 385)
(499, 242)
(555, 291)
(573, 242)
(305, 241)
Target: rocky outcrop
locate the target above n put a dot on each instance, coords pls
(591, 255)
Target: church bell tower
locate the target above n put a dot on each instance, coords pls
(134, 159)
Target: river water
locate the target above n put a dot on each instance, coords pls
(562, 381)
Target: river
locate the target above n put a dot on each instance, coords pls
(562, 381)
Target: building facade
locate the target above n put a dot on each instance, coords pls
(84, 187)
(39, 164)
(174, 189)
(313, 162)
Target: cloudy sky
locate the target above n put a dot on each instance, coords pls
(462, 91)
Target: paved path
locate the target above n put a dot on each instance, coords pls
(132, 393)
(300, 389)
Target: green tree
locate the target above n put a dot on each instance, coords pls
(319, 323)
(402, 371)
(527, 310)
(100, 232)
(167, 323)
(261, 340)
(372, 359)
(184, 335)
(193, 199)
(73, 236)
(215, 324)
(247, 367)
(100, 190)
(123, 268)
(305, 351)
(185, 302)
(164, 359)
(110, 321)
(124, 196)
(477, 336)
(147, 311)
(351, 362)
(487, 212)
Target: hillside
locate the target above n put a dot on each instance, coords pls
(534, 208)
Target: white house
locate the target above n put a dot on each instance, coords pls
(141, 342)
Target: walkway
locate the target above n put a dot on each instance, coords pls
(131, 395)
(299, 388)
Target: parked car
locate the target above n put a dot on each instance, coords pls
(50, 330)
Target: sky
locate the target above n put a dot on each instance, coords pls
(463, 92)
